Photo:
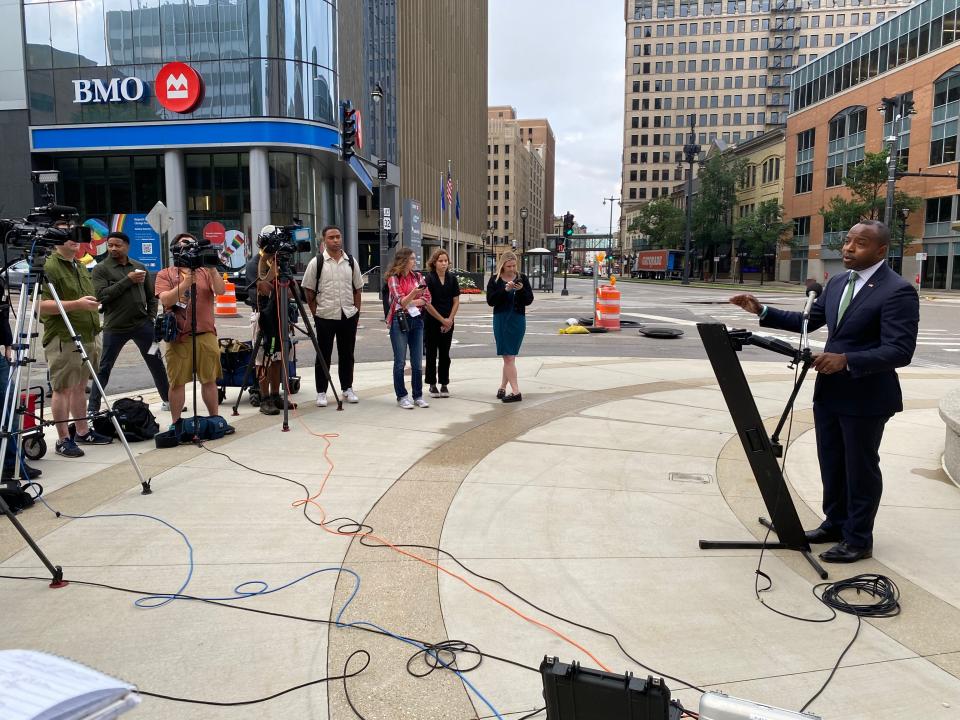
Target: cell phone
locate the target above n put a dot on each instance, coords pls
(421, 286)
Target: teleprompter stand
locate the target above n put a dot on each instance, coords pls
(722, 346)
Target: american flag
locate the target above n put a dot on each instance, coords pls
(449, 188)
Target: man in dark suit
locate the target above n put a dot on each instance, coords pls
(872, 315)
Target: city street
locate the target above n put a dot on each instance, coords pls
(646, 303)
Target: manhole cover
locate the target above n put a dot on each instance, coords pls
(691, 478)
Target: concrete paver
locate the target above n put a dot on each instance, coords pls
(567, 498)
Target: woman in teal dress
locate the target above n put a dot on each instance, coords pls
(509, 293)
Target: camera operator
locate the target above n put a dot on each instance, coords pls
(173, 288)
(125, 290)
(68, 374)
(262, 273)
(332, 284)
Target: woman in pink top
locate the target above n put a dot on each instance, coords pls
(409, 299)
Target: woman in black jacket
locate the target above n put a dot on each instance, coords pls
(509, 293)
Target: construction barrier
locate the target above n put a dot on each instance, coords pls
(608, 306)
(226, 305)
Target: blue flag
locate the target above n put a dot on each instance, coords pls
(443, 199)
(457, 206)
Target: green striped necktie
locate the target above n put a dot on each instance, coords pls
(847, 294)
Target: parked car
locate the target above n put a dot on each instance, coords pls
(576, 269)
(16, 274)
(238, 277)
(587, 271)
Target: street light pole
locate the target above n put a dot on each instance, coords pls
(611, 200)
(690, 151)
(377, 96)
(900, 106)
(904, 213)
(523, 217)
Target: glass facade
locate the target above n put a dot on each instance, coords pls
(380, 30)
(99, 186)
(924, 28)
(258, 58)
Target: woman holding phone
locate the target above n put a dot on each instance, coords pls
(438, 324)
(509, 293)
(409, 299)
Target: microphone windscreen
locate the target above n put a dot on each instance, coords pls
(816, 289)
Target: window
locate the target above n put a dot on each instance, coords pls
(846, 143)
(946, 115)
(938, 216)
(803, 180)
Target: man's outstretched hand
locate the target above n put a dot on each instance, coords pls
(747, 302)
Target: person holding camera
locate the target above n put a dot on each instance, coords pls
(409, 298)
(125, 290)
(68, 373)
(509, 293)
(438, 323)
(332, 284)
(263, 272)
(174, 288)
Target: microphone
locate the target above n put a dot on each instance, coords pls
(812, 294)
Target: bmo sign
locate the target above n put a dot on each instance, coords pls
(128, 89)
(178, 87)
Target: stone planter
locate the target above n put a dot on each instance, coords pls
(950, 412)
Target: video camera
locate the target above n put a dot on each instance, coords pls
(195, 254)
(284, 240)
(38, 228)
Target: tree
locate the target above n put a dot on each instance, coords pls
(715, 202)
(760, 232)
(661, 222)
(867, 183)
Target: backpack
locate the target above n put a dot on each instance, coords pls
(134, 417)
(16, 498)
(208, 428)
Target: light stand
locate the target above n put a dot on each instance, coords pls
(523, 217)
(690, 152)
(901, 107)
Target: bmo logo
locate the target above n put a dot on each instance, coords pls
(128, 89)
(178, 87)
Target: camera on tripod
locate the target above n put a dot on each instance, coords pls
(195, 254)
(284, 240)
(38, 229)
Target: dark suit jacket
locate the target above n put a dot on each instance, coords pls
(878, 334)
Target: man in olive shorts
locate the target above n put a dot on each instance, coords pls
(68, 373)
(173, 288)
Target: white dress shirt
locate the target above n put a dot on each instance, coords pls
(863, 277)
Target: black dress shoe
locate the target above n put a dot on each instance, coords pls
(822, 535)
(843, 553)
(29, 473)
(501, 394)
(513, 398)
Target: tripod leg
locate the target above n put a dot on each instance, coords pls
(251, 364)
(145, 483)
(308, 325)
(55, 570)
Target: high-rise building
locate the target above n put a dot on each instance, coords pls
(538, 132)
(515, 181)
(725, 61)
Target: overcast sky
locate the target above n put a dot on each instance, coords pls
(563, 60)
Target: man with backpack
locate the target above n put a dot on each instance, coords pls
(332, 284)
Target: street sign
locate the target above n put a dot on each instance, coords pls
(716, 259)
(159, 218)
(921, 257)
(386, 219)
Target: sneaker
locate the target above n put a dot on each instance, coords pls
(93, 438)
(321, 399)
(444, 392)
(267, 407)
(165, 406)
(434, 393)
(420, 402)
(28, 473)
(350, 396)
(405, 403)
(68, 448)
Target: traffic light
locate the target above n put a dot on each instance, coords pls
(568, 225)
(348, 131)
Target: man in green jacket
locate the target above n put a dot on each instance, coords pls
(68, 373)
(125, 290)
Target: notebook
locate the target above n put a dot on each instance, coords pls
(38, 686)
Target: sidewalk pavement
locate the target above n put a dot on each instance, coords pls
(588, 499)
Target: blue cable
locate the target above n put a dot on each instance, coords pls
(149, 602)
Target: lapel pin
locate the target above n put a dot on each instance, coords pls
(869, 284)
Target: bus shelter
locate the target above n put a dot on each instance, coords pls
(537, 265)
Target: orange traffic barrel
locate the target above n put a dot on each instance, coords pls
(226, 305)
(608, 306)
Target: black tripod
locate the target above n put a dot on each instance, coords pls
(10, 412)
(282, 298)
